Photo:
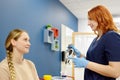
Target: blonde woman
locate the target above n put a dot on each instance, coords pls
(14, 66)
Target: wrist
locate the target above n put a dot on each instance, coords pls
(86, 63)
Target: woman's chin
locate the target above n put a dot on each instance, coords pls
(26, 51)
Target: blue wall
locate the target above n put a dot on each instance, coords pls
(33, 16)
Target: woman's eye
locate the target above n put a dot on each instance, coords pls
(25, 39)
(89, 19)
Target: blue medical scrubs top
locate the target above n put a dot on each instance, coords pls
(101, 51)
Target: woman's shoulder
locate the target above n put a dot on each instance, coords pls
(4, 70)
(29, 62)
(4, 63)
(111, 34)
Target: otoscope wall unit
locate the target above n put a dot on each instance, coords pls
(55, 45)
(51, 36)
(48, 36)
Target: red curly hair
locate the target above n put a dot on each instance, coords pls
(104, 18)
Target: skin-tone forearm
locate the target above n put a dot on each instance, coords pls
(82, 55)
(111, 70)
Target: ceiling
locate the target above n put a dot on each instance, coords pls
(80, 7)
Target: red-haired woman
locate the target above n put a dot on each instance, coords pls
(102, 61)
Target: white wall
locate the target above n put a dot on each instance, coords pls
(83, 26)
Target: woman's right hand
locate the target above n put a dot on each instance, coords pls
(76, 51)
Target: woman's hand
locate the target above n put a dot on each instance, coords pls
(76, 51)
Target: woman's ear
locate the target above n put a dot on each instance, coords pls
(13, 42)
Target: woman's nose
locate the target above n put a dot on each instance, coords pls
(29, 43)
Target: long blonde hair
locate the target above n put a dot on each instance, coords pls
(14, 34)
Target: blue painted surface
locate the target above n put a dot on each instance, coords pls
(33, 16)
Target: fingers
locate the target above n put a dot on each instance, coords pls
(70, 57)
(70, 46)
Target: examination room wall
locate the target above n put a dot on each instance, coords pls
(33, 16)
